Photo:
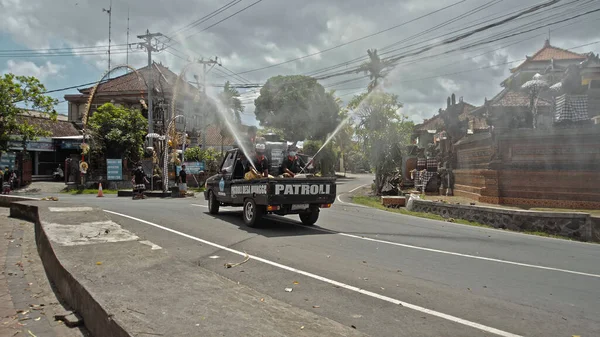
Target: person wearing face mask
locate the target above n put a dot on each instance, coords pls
(292, 164)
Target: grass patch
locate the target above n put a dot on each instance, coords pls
(375, 202)
(197, 189)
(89, 191)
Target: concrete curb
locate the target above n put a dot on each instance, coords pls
(6, 199)
(95, 318)
(575, 225)
(149, 194)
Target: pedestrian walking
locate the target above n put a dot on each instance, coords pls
(139, 183)
(182, 181)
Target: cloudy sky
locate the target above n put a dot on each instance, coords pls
(270, 32)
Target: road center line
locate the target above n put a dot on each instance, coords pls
(348, 203)
(333, 282)
(527, 265)
(286, 220)
(351, 191)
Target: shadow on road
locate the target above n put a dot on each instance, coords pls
(270, 226)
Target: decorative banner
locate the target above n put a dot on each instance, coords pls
(83, 167)
(114, 169)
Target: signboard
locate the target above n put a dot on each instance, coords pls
(114, 169)
(41, 144)
(70, 145)
(192, 167)
(7, 159)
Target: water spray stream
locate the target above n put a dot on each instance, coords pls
(223, 113)
(233, 130)
(331, 136)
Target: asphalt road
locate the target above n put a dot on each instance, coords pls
(384, 273)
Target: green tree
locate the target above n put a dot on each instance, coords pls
(298, 105)
(18, 94)
(210, 157)
(266, 130)
(118, 132)
(230, 99)
(384, 133)
(375, 68)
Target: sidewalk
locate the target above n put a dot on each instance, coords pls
(27, 301)
(123, 285)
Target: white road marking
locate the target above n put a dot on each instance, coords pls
(70, 209)
(151, 244)
(492, 230)
(471, 256)
(349, 203)
(357, 188)
(198, 205)
(333, 282)
(441, 251)
(214, 257)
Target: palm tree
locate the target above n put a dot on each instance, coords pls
(230, 98)
(374, 68)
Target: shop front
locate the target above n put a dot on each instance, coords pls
(40, 152)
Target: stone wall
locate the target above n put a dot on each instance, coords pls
(533, 167)
(574, 225)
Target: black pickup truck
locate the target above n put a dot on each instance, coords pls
(281, 196)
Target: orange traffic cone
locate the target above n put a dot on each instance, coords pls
(100, 194)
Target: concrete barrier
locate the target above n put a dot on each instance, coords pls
(574, 225)
(95, 318)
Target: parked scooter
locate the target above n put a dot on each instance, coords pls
(59, 174)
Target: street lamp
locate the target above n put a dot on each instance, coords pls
(166, 153)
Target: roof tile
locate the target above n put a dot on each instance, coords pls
(511, 98)
(57, 128)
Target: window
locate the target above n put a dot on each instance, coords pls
(228, 163)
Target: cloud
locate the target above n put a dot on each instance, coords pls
(273, 31)
(28, 68)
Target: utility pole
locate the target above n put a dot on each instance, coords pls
(204, 64)
(127, 57)
(150, 48)
(109, 11)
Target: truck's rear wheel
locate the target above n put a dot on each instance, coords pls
(213, 203)
(310, 218)
(252, 213)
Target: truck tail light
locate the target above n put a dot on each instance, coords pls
(272, 208)
(325, 205)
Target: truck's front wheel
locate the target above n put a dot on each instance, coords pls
(213, 203)
(310, 218)
(252, 213)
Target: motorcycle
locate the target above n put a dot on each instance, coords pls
(58, 175)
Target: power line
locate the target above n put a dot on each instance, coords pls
(393, 59)
(226, 18)
(358, 59)
(351, 41)
(206, 17)
(59, 49)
